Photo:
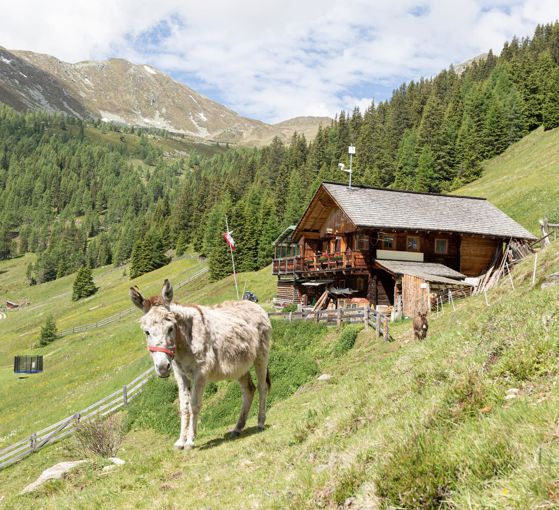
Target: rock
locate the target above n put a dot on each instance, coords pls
(551, 280)
(510, 396)
(53, 473)
(117, 461)
(109, 468)
(513, 391)
(325, 377)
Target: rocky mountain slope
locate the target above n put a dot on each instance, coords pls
(119, 91)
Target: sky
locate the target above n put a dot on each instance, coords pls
(273, 60)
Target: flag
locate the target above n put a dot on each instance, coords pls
(229, 240)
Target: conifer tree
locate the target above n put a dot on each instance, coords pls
(84, 286)
(425, 180)
(551, 104)
(49, 332)
(180, 247)
(407, 161)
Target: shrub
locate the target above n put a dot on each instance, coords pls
(289, 308)
(100, 436)
(346, 340)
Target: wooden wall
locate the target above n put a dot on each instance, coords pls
(288, 292)
(426, 246)
(476, 254)
(415, 297)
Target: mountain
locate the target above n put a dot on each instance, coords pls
(137, 95)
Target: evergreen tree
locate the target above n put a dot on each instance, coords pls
(426, 176)
(84, 286)
(407, 161)
(49, 332)
(551, 104)
(180, 247)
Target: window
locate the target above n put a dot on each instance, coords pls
(360, 283)
(412, 243)
(441, 246)
(361, 243)
(387, 242)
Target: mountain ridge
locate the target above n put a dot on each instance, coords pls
(116, 90)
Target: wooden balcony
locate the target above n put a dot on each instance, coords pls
(325, 262)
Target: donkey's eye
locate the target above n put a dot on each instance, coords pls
(147, 333)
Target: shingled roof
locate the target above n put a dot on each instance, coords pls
(383, 208)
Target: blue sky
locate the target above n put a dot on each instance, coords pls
(273, 60)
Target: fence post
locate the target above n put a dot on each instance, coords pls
(33, 442)
(385, 328)
(125, 395)
(366, 318)
(290, 316)
(338, 318)
(377, 327)
(535, 267)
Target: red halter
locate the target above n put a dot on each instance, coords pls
(169, 352)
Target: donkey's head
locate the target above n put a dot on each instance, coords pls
(159, 325)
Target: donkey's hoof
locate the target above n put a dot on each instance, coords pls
(261, 428)
(188, 446)
(234, 433)
(179, 445)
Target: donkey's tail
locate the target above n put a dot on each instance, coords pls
(268, 380)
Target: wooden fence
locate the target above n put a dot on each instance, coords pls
(366, 316)
(124, 313)
(67, 426)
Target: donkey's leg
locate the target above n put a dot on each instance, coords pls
(198, 385)
(261, 368)
(184, 405)
(247, 389)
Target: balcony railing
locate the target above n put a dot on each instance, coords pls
(324, 262)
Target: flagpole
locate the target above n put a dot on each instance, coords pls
(232, 259)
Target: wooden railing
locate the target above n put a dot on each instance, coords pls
(325, 262)
(67, 426)
(365, 315)
(117, 316)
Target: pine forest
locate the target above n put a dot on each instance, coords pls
(78, 200)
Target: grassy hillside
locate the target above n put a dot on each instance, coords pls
(524, 180)
(81, 368)
(402, 425)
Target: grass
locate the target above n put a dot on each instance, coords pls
(403, 424)
(523, 181)
(82, 368)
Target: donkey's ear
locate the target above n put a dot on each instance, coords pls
(167, 292)
(138, 300)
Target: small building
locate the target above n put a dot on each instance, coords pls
(389, 246)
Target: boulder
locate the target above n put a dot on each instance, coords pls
(551, 280)
(325, 377)
(53, 473)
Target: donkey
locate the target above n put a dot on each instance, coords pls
(202, 344)
(420, 326)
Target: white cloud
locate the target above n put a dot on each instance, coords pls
(277, 59)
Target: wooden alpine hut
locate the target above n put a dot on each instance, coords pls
(389, 246)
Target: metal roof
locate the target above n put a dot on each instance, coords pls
(408, 210)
